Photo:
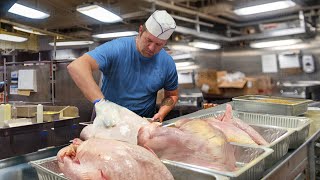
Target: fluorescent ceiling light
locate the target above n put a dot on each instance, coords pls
(115, 34)
(182, 56)
(13, 38)
(27, 12)
(265, 7)
(71, 43)
(267, 44)
(192, 67)
(183, 64)
(204, 45)
(99, 13)
(184, 48)
(27, 30)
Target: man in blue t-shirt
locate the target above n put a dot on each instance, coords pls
(134, 69)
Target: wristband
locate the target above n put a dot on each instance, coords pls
(95, 101)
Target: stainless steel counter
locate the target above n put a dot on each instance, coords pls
(301, 161)
(297, 163)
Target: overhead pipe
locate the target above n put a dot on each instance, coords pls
(217, 19)
(192, 20)
(36, 29)
(213, 36)
(205, 35)
(191, 12)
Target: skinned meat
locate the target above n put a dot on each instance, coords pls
(256, 137)
(126, 129)
(177, 145)
(232, 133)
(233, 128)
(110, 160)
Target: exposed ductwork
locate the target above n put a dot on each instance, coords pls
(270, 34)
(211, 13)
(37, 29)
(191, 12)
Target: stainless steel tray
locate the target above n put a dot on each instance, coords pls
(181, 173)
(48, 169)
(250, 163)
(271, 105)
(300, 125)
(278, 139)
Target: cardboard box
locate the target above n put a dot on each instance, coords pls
(220, 75)
(187, 86)
(247, 86)
(251, 87)
(264, 84)
(234, 84)
(206, 80)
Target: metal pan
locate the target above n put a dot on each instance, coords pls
(271, 105)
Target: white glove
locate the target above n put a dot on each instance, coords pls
(107, 114)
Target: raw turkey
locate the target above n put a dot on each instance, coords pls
(227, 117)
(233, 128)
(126, 128)
(108, 160)
(232, 133)
(208, 149)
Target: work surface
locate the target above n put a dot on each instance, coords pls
(18, 167)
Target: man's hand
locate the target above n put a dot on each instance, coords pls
(106, 114)
(157, 118)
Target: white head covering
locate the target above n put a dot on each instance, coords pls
(161, 24)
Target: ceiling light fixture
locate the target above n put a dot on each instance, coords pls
(6, 36)
(272, 6)
(184, 64)
(182, 56)
(27, 30)
(205, 45)
(27, 12)
(115, 34)
(71, 43)
(184, 48)
(99, 13)
(192, 67)
(267, 44)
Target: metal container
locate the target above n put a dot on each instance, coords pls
(278, 138)
(180, 173)
(49, 116)
(300, 125)
(26, 110)
(249, 160)
(48, 169)
(250, 163)
(271, 105)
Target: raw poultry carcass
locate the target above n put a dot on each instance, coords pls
(108, 160)
(232, 133)
(207, 149)
(233, 128)
(126, 128)
(227, 117)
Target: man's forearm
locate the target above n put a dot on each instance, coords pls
(167, 105)
(82, 76)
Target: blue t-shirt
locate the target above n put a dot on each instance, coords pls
(131, 80)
